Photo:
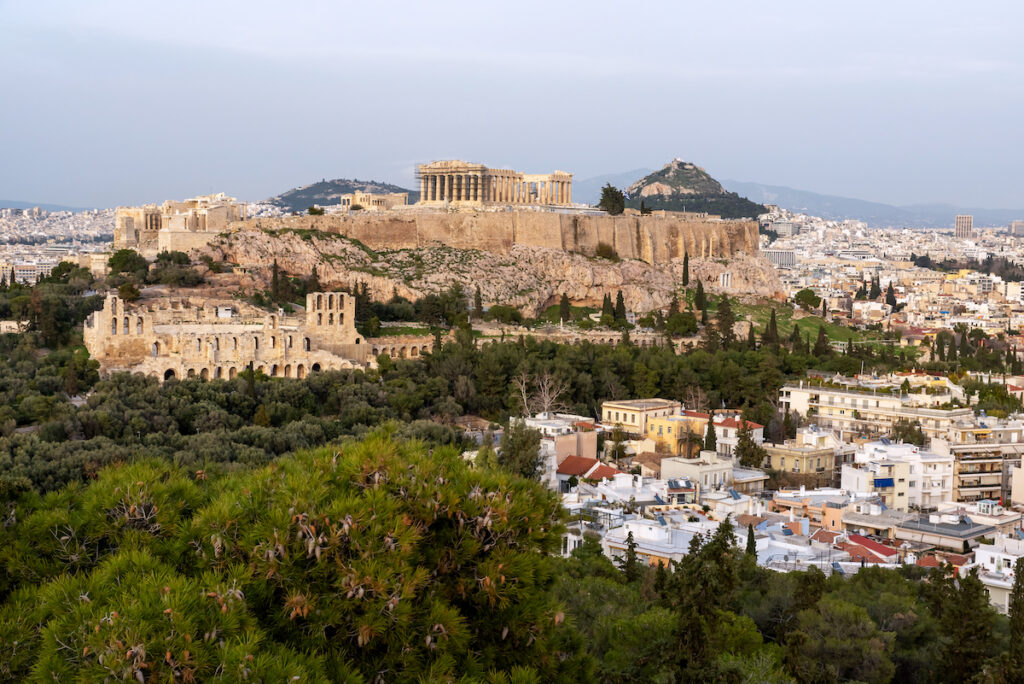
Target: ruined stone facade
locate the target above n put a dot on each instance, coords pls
(463, 183)
(653, 239)
(181, 338)
(179, 226)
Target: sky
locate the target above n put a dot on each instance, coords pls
(111, 103)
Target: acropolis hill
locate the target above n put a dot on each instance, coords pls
(517, 236)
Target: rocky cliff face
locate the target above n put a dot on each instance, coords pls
(530, 278)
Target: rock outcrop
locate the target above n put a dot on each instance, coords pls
(530, 278)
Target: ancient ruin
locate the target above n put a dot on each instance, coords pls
(463, 183)
(173, 225)
(183, 338)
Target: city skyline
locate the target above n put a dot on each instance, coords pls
(119, 104)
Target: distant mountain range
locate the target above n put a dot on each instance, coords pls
(328, 192)
(11, 204)
(875, 214)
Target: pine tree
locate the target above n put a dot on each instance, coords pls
(620, 308)
(700, 299)
(747, 451)
(821, 346)
(726, 321)
(673, 306)
(967, 619)
(686, 269)
(751, 542)
(564, 308)
(629, 563)
(710, 438)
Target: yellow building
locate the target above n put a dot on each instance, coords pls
(679, 434)
(631, 415)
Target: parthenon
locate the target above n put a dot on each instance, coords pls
(459, 182)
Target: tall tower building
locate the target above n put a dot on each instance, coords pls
(964, 227)
(1016, 227)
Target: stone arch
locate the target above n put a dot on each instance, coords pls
(256, 343)
(156, 349)
(169, 374)
(273, 322)
(330, 318)
(191, 372)
(319, 319)
(113, 305)
(330, 301)
(288, 371)
(126, 328)
(205, 374)
(300, 371)
(305, 344)
(401, 352)
(234, 343)
(273, 371)
(423, 349)
(315, 368)
(218, 372)
(319, 301)
(216, 344)
(138, 325)
(232, 372)
(273, 341)
(290, 342)
(199, 344)
(113, 326)
(374, 351)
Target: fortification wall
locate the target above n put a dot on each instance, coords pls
(653, 239)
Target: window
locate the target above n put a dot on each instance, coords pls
(912, 484)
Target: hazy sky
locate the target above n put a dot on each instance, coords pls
(108, 103)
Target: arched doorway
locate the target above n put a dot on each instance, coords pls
(205, 374)
(315, 368)
(232, 372)
(191, 372)
(169, 374)
(300, 372)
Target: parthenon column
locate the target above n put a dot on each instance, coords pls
(568, 192)
(423, 188)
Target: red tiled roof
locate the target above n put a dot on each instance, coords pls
(858, 553)
(873, 546)
(695, 414)
(601, 472)
(824, 536)
(576, 465)
(735, 423)
(744, 519)
(929, 562)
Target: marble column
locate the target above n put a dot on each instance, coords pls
(568, 192)
(423, 188)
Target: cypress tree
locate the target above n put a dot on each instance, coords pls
(710, 439)
(712, 342)
(275, 283)
(478, 303)
(564, 309)
(704, 316)
(821, 347)
(751, 339)
(313, 284)
(771, 332)
(699, 299)
(890, 296)
(751, 542)
(620, 308)
(876, 289)
(794, 338)
(673, 306)
(726, 321)
(1012, 665)
(686, 269)
(606, 306)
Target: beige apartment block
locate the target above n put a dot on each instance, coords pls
(183, 338)
(459, 182)
(964, 227)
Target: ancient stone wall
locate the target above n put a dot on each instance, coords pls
(199, 337)
(653, 239)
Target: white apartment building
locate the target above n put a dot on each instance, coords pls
(904, 476)
(995, 569)
(858, 412)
